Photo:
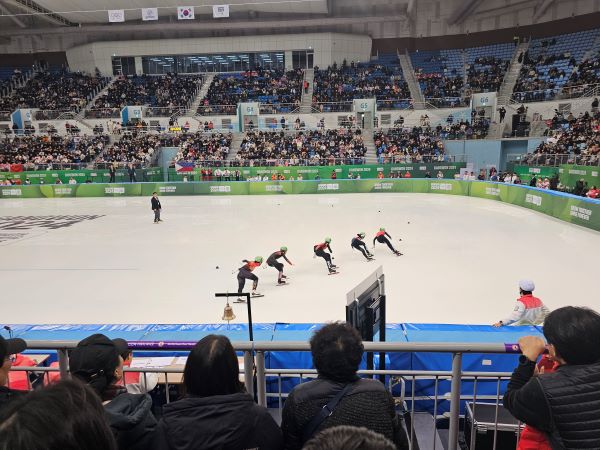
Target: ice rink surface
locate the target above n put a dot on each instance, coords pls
(462, 258)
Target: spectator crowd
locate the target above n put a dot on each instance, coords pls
(170, 92)
(200, 147)
(54, 91)
(312, 147)
(273, 87)
(408, 145)
(347, 82)
(38, 152)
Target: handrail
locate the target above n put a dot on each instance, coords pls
(428, 347)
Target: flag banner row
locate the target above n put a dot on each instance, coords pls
(183, 13)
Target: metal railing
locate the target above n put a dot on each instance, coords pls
(216, 110)
(103, 113)
(412, 389)
(399, 104)
(557, 93)
(169, 111)
(555, 160)
(272, 163)
(55, 114)
(278, 108)
(324, 107)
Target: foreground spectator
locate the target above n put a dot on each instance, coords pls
(135, 382)
(337, 351)
(96, 361)
(349, 438)
(529, 310)
(217, 412)
(65, 416)
(565, 404)
(8, 349)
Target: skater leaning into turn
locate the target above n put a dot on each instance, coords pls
(245, 273)
(320, 251)
(382, 236)
(359, 244)
(272, 262)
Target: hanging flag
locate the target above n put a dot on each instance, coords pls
(184, 166)
(116, 15)
(185, 12)
(220, 11)
(149, 14)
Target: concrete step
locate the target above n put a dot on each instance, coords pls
(206, 82)
(306, 102)
(413, 85)
(235, 145)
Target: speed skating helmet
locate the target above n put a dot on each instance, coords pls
(258, 259)
(283, 249)
(362, 234)
(327, 240)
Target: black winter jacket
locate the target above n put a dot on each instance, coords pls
(220, 422)
(564, 404)
(368, 404)
(131, 420)
(8, 395)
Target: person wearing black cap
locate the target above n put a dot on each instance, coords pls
(96, 361)
(8, 348)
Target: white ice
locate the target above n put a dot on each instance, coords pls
(462, 258)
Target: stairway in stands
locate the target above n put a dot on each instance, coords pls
(207, 81)
(371, 156)
(235, 145)
(413, 85)
(512, 75)
(306, 103)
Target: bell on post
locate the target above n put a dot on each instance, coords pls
(228, 314)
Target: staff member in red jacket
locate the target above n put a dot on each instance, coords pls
(529, 310)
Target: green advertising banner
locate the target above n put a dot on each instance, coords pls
(570, 174)
(80, 176)
(365, 171)
(577, 210)
(526, 173)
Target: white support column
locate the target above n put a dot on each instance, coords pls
(139, 70)
(288, 60)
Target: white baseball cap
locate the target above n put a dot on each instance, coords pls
(527, 285)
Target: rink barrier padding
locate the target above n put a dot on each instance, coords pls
(569, 208)
(399, 332)
(49, 177)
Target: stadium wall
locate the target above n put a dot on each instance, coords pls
(566, 207)
(328, 48)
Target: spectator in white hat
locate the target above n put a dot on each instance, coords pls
(529, 310)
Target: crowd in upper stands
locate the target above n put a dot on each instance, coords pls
(486, 74)
(441, 90)
(588, 72)
(538, 79)
(55, 90)
(274, 87)
(199, 147)
(38, 152)
(170, 92)
(313, 147)
(346, 82)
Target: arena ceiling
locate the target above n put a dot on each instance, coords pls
(81, 21)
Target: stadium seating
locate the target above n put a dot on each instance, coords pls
(35, 152)
(549, 63)
(170, 92)
(408, 145)
(54, 90)
(199, 147)
(382, 79)
(572, 140)
(281, 89)
(313, 146)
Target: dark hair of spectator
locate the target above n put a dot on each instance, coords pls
(212, 368)
(349, 438)
(337, 350)
(575, 334)
(67, 415)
